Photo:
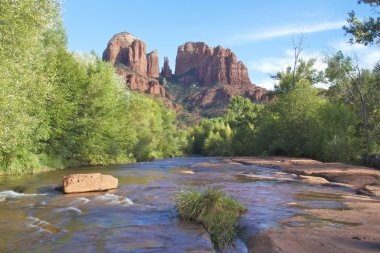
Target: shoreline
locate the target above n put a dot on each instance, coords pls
(346, 175)
(358, 225)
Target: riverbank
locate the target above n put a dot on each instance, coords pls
(356, 227)
(352, 176)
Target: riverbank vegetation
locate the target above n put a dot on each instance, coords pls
(338, 124)
(341, 123)
(212, 208)
(60, 109)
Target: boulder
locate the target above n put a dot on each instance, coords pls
(313, 180)
(156, 89)
(90, 182)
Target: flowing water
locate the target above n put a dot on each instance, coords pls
(139, 216)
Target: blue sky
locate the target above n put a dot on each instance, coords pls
(259, 32)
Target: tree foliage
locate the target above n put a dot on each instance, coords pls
(366, 31)
(62, 109)
(298, 121)
(360, 89)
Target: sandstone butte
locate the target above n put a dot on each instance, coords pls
(198, 62)
(216, 71)
(137, 68)
(76, 183)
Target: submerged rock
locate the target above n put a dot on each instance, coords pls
(75, 183)
(313, 180)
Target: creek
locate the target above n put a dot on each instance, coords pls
(139, 215)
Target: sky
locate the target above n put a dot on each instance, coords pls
(259, 32)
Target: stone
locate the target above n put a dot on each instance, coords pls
(166, 70)
(313, 180)
(90, 182)
(137, 68)
(211, 98)
(220, 74)
(369, 190)
(153, 70)
(126, 49)
(198, 62)
(156, 89)
(188, 172)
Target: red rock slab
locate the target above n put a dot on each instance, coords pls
(91, 182)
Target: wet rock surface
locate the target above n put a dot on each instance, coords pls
(92, 182)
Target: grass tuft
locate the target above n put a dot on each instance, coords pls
(212, 208)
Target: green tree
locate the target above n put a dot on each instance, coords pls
(25, 86)
(243, 116)
(305, 70)
(359, 88)
(366, 31)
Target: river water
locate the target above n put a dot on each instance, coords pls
(139, 215)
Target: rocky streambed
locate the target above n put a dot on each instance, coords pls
(286, 213)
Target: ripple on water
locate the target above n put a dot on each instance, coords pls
(12, 194)
(112, 199)
(68, 209)
(102, 222)
(80, 201)
(41, 226)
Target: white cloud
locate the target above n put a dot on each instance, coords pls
(271, 33)
(368, 56)
(271, 65)
(266, 83)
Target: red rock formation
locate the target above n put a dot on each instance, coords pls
(134, 66)
(137, 83)
(197, 62)
(201, 64)
(126, 49)
(166, 70)
(153, 69)
(156, 89)
(88, 183)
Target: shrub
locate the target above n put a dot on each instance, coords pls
(212, 208)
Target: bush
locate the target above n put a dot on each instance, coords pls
(212, 208)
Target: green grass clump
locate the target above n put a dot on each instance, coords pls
(212, 208)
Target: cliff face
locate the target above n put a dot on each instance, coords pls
(220, 75)
(205, 78)
(153, 70)
(133, 64)
(126, 49)
(198, 62)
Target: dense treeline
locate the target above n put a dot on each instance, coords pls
(60, 109)
(338, 124)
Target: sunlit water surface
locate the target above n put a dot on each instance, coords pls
(139, 216)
